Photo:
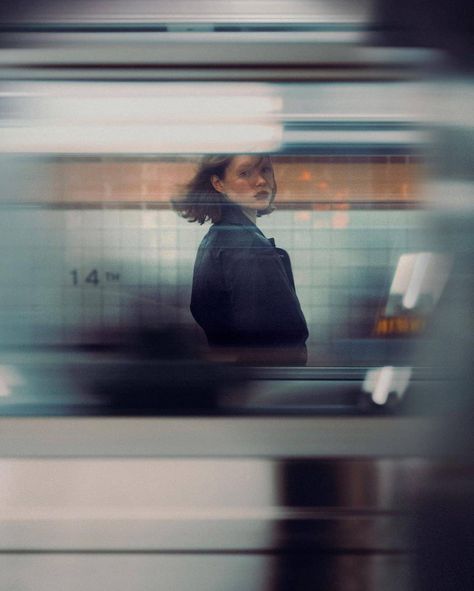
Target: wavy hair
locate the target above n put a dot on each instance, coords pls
(200, 202)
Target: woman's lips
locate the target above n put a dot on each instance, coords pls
(262, 195)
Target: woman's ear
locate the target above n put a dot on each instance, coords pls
(217, 183)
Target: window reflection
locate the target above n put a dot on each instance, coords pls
(103, 251)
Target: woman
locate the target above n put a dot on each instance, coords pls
(243, 293)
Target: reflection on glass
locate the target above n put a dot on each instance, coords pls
(382, 382)
(9, 379)
(419, 281)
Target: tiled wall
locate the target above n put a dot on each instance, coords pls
(68, 274)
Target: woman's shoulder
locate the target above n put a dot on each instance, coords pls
(233, 235)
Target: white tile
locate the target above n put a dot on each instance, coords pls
(74, 239)
(302, 239)
(130, 237)
(170, 218)
(92, 218)
(320, 257)
(319, 296)
(149, 239)
(92, 298)
(131, 218)
(130, 275)
(111, 238)
(93, 238)
(302, 277)
(168, 238)
(73, 219)
(111, 218)
(46, 298)
(71, 297)
(150, 219)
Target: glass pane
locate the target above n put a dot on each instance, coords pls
(98, 264)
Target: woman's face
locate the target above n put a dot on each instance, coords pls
(248, 181)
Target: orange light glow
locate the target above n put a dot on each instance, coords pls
(399, 325)
(302, 216)
(344, 194)
(305, 176)
(340, 220)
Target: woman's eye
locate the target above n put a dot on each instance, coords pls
(244, 173)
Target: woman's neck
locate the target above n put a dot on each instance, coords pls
(251, 214)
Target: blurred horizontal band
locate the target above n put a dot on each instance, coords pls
(222, 56)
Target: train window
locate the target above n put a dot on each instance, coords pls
(99, 263)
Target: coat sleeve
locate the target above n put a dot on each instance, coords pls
(264, 307)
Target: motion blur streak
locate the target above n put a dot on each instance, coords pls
(9, 378)
(115, 118)
(381, 382)
(420, 274)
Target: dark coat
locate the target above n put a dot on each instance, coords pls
(243, 288)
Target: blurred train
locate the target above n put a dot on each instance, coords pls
(129, 457)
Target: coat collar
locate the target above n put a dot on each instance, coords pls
(232, 214)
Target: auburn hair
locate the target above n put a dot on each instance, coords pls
(200, 201)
